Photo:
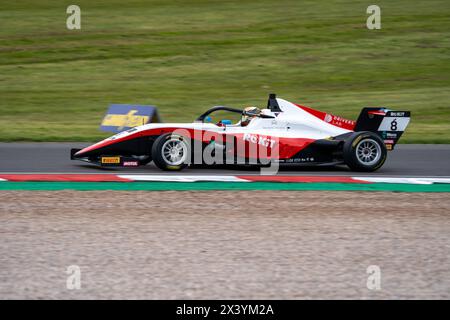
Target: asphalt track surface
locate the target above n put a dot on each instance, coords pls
(405, 161)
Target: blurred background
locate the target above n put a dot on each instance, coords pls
(186, 56)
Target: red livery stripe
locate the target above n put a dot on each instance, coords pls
(330, 118)
(287, 147)
(379, 113)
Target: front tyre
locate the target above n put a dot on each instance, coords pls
(364, 151)
(171, 152)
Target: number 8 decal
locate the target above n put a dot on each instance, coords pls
(394, 125)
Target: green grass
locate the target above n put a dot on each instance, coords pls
(185, 56)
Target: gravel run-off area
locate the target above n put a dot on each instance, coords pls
(224, 244)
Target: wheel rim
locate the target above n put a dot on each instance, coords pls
(368, 152)
(174, 151)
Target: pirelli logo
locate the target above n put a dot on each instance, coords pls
(110, 160)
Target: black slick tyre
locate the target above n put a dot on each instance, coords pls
(171, 152)
(364, 151)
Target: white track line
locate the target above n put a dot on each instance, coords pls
(404, 180)
(183, 178)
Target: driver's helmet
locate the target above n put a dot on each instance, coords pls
(248, 114)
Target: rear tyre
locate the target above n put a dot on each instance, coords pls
(171, 152)
(364, 151)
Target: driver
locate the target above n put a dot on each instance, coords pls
(248, 114)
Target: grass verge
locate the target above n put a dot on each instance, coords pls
(185, 56)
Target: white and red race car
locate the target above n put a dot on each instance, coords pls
(284, 132)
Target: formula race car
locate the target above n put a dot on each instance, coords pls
(284, 132)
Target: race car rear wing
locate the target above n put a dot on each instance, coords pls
(388, 124)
